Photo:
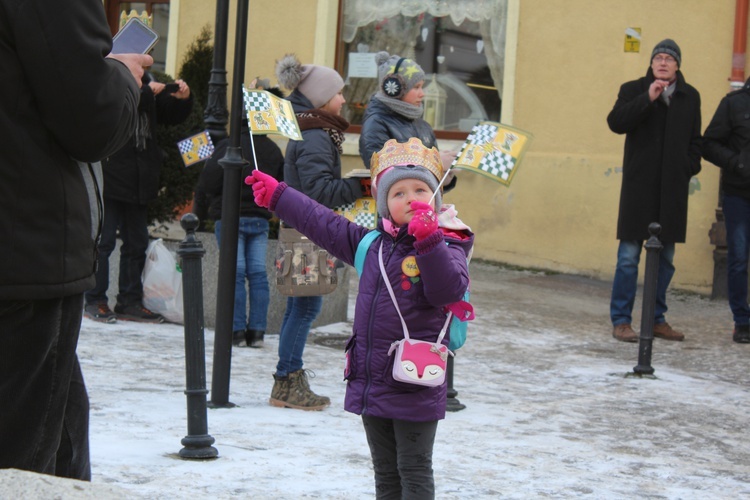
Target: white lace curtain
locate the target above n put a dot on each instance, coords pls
(490, 14)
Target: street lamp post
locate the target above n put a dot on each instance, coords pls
(215, 114)
(232, 164)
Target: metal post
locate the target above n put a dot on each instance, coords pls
(452, 403)
(215, 115)
(232, 164)
(197, 443)
(653, 247)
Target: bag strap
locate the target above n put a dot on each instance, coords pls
(364, 245)
(395, 304)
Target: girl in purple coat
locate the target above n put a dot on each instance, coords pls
(426, 267)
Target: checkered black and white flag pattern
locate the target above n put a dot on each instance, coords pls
(493, 150)
(204, 151)
(267, 114)
(498, 164)
(257, 101)
(482, 134)
(366, 219)
(196, 148)
(362, 212)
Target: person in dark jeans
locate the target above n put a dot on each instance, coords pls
(726, 144)
(660, 116)
(50, 185)
(131, 180)
(251, 292)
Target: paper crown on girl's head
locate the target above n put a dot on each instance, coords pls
(412, 152)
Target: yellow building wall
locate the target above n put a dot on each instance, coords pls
(568, 62)
(274, 29)
(561, 211)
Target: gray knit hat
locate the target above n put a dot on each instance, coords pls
(395, 174)
(404, 160)
(668, 46)
(318, 83)
(409, 70)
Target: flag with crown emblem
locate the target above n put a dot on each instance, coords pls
(362, 211)
(493, 150)
(268, 114)
(196, 148)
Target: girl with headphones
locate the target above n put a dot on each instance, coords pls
(395, 110)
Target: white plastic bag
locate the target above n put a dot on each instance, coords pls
(162, 283)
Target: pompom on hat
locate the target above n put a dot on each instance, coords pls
(318, 83)
(409, 70)
(670, 47)
(404, 160)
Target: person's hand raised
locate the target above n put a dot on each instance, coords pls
(263, 187)
(656, 88)
(184, 90)
(424, 221)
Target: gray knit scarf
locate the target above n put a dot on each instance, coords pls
(408, 111)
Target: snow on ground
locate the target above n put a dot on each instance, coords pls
(550, 412)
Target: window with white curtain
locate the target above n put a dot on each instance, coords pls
(460, 44)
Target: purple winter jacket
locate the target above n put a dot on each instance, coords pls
(441, 278)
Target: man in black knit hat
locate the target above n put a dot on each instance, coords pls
(661, 119)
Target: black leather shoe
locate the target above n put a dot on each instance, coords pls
(238, 338)
(741, 334)
(254, 338)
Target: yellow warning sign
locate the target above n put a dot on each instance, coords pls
(633, 40)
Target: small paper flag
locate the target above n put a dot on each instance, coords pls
(196, 148)
(268, 114)
(493, 150)
(362, 212)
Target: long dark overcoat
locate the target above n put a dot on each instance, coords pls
(662, 153)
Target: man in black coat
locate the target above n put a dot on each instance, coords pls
(63, 107)
(727, 145)
(660, 117)
(131, 180)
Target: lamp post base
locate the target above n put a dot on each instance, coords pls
(198, 447)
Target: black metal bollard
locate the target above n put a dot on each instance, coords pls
(452, 403)
(197, 443)
(653, 247)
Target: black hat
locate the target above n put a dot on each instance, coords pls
(668, 46)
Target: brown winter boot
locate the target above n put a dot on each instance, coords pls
(624, 333)
(293, 391)
(666, 332)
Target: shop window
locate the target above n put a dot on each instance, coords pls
(155, 12)
(459, 44)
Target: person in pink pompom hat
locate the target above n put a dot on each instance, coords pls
(312, 166)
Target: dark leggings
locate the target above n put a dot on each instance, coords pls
(401, 457)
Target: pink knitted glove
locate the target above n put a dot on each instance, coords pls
(462, 310)
(424, 221)
(263, 187)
